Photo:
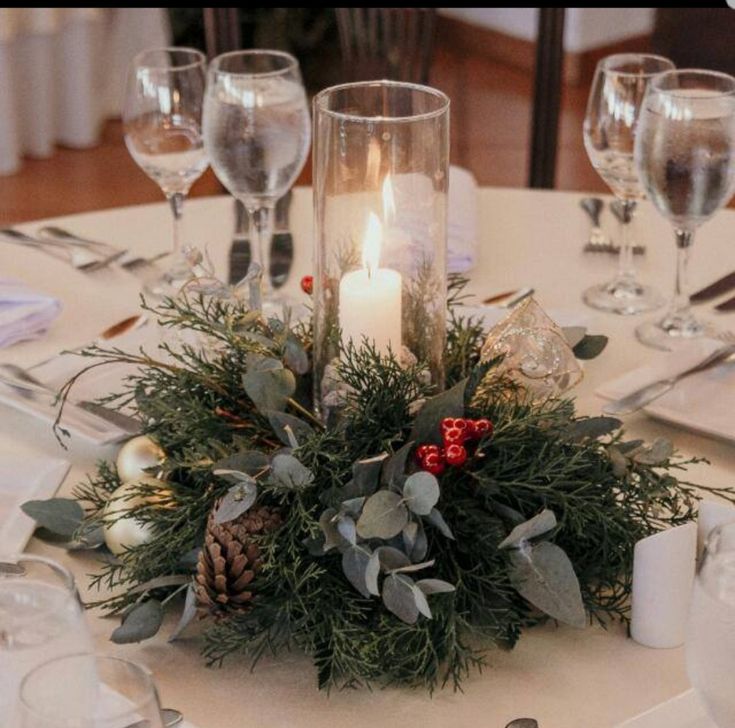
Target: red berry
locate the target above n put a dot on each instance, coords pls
(482, 428)
(423, 450)
(446, 423)
(454, 435)
(456, 455)
(433, 462)
(307, 284)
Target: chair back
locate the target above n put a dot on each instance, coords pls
(391, 43)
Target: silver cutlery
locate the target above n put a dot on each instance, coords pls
(18, 378)
(508, 299)
(643, 396)
(240, 253)
(617, 209)
(80, 258)
(523, 723)
(597, 241)
(282, 243)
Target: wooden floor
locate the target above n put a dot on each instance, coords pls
(490, 127)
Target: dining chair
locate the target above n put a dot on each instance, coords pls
(391, 43)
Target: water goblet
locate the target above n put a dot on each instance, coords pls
(685, 155)
(40, 618)
(89, 691)
(162, 118)
(610, 124)
(257, 133)
(710, 639)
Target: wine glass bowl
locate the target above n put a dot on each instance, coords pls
(610, 124)
(257, 132)
(710, 640)
(162, 119)
(685, 155)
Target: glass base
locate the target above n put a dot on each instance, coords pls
(169, 283)
(623, 296)
(672, 331)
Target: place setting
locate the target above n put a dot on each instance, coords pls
(358, 435)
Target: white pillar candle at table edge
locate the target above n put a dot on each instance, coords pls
(370, 299)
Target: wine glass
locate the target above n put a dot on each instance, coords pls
(162, 118)
(610, 123)
(710, 640)
(40, 618)
(89, 691)
(257, 132)
(685, 155)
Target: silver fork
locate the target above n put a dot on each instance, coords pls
(598, 241)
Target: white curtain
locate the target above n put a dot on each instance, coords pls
(62, 72)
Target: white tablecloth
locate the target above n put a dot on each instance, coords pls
(563, 677)
(62, 71)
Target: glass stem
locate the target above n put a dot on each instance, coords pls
(625, 260)
(680, 303)
(261, 233)
(176, 200)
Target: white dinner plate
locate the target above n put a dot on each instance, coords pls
(682, 711)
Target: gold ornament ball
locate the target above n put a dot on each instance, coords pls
(124, 532)
(136, 455)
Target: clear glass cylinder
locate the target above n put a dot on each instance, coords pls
(381, 170)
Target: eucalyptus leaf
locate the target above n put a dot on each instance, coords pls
(541, 523)
(394, 468)
(391, 558)
(435, 586)
(236, 501)
(409, 535)
(354, 564)
(250, 462)
(187, 614)
(372, 571)
(279, 421)
(346, 529)
(592, 427)
(618, 460)
(421, 545)
(421, 603)
(437, 520)
(328, 524)
(315, 546)
(90, 535)
(352, 506)
(294, 355)
(260, 363)
(398, 597)
(190, 559)
(656, 454)
(365, 476)
(544, 575)
(421, 492)
(269, 389)
(160, 581)
(447, 404)
(414, 567)
(590, 347)
(287, 471)
(383, 516)
(140, 623)
(629, 447)
(61, 516)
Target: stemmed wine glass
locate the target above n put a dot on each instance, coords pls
(609, 133)
(257, 132)
(162, 118)
(685, 155)
(89, 691)
(40, 618)
(710, 640)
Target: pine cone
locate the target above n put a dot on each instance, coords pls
(230, 560)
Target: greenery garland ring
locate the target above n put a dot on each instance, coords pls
(346, 542)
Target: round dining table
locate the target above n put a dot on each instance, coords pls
(563, 677)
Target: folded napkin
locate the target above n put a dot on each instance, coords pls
(461, 221)
(24, 314)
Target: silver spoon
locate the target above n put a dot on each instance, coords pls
(523, 723)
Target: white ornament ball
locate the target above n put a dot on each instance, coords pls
(125, 532)
(136, 455)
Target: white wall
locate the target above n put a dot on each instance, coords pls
(584, 28)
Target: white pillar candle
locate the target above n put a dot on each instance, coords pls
(370, 299)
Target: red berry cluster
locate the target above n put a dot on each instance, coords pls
(456, 432)
(307, 284)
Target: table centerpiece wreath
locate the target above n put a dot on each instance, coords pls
(393, 546)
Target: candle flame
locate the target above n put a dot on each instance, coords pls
(371, 245)
(389, 203)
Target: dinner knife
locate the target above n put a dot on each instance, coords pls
(720, 286)
(726, 306)
(645, 395)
